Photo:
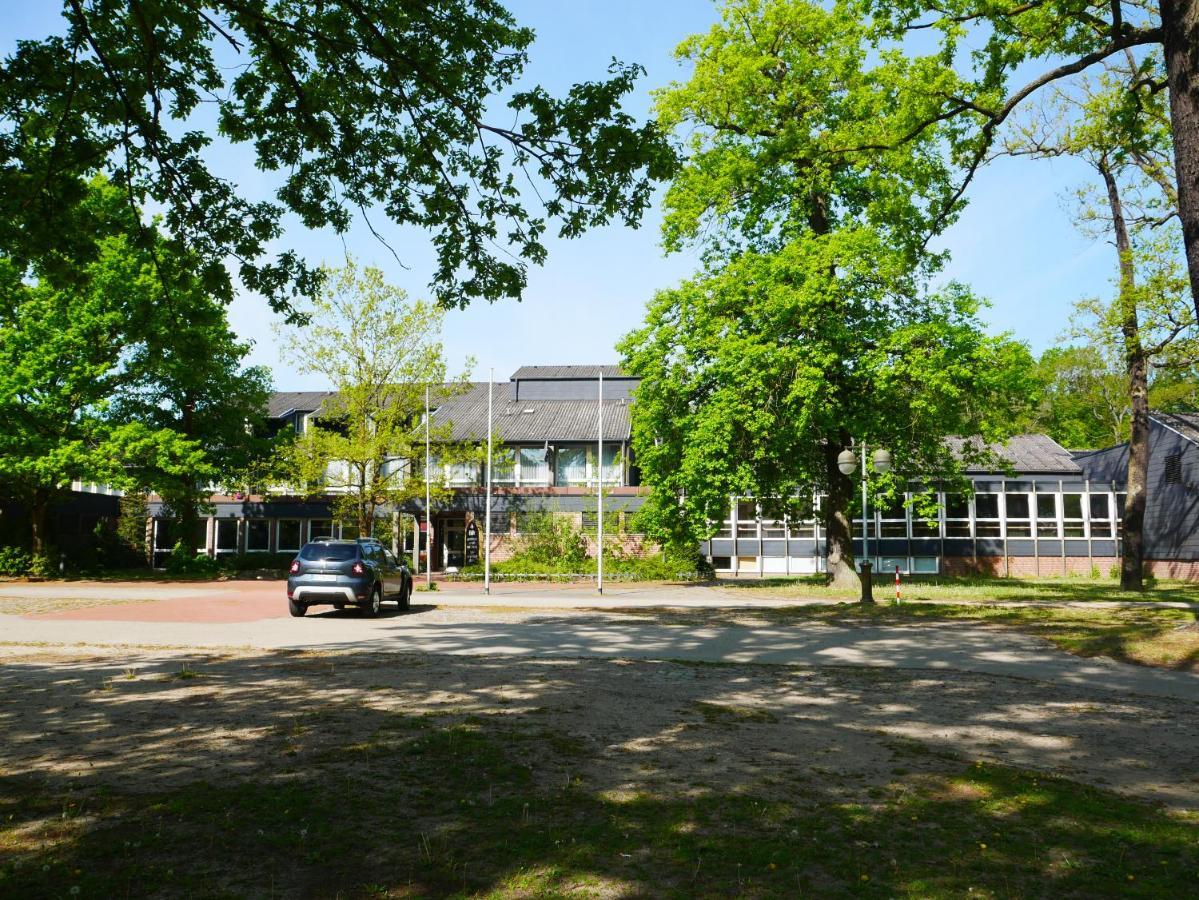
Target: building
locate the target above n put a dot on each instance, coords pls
(1051, 511)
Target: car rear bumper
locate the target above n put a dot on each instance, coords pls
(319, 593)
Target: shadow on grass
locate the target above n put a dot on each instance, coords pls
(940, 587)
(304, 774)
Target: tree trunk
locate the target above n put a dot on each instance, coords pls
(1137, 366)
(188, 517)
(838, 526)
(39, 507)
(1180, 42)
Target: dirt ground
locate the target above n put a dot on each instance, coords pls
(152, 720)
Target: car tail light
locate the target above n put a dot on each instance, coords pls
(295, 566)
(358, 569)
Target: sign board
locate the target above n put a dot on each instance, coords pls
(472, 543)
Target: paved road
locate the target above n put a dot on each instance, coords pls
(248, 615)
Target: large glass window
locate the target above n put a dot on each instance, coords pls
(894, 519)
(986, 515)
(534, 466)
(925, 527)
(1102, 525)
(1019, 515)
(320, 528)
(226, 535)
(503, 466)
(289, 535)
(463, 473)
(258, 535)
(957, 516)
(1047, 516)
(747, 519)
(570, 466)
(613, 465)
(1072, 516)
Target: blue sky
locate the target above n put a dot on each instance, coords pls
(1015, 244)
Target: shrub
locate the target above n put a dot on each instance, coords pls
(14, 561)
(554, 542)
(183, 562)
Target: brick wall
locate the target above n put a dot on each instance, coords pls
(1030, 566)
(1181, 569)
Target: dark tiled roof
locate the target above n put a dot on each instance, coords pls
(568, 372)
(285, 401)
(1023, 453)
(1186, 424)
(531, 420)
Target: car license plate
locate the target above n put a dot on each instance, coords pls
(324, 577)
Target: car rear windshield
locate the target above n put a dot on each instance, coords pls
(329, 552)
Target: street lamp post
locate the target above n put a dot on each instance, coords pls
(848, 465)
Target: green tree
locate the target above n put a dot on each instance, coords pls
(811, 326)
(1003, 55)
(1082, 397)
(357, 105)
(379, 351)
(65, 330)
(1126, 140)
(187, 375)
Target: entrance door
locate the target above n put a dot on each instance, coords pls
(454, 543)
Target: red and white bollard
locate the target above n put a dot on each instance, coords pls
(897, 600)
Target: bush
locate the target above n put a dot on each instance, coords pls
(554, 542)
(183, 562)
(253, 562)
(14, 561)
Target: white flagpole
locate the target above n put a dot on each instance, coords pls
(428, 504)
(487, 519)
(599, 541)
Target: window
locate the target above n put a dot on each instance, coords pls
(1019, 515)
(503, 466)
(289, 535)
(925, 527)
(1173, 469)
(801, 529)
(1072, 516)
(613, 465)
(331, 552)
(725, 529)
(611, 521)
(894, 519)
(201, 534)
(258, 535)
(570, 466)
(722, 563)
(534, 466)
(1047, 516)
(986, 515)
(747, 519)
(531, 522)
(463, 473)
(348, 532)
(1102, 525)
(226, 535)
(957, 516)
(320, 528)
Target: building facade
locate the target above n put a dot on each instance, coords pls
(1050, 512)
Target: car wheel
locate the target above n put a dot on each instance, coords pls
(374, 604)
(296, 607)
(339, 606)
(406, 595)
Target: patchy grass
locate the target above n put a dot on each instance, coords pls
(1147, 636)
(968, 590)
(481, 807)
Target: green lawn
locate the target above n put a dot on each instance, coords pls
(485, 807)
(970, 590)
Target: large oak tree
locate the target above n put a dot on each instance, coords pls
(811, 325)
(392, 108)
